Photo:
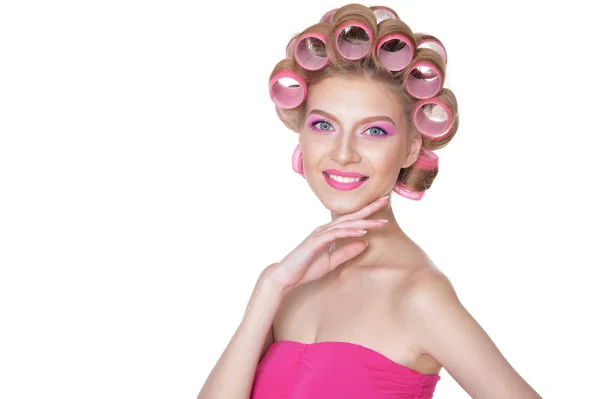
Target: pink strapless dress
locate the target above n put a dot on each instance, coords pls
(332, 370)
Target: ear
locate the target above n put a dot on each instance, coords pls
(414, 149)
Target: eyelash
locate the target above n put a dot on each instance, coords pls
(313, 125)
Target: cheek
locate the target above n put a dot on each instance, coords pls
(385, 159)
(313, 150)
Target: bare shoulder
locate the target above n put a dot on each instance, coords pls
(428, 285)
(440, 326)
(421, 278)
(422, 288)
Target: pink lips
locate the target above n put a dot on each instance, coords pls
(343, 186)
(343, 173)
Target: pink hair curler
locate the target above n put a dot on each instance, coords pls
(289, 50)
(432, 43)
(347, 47)
(423, 80)
(328, 16)
(405, 191)
(433, 119)
(297, 161)
(395, 51)
(310, 52)
(382, 13)
(287, 89)
(427, 160)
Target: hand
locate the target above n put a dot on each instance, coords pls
(311, 259)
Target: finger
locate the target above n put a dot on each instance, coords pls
(357, 224)
(366, 211)
(346, 252)
(330, 236)
(306, 251)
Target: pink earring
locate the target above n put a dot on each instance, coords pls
(297, 161)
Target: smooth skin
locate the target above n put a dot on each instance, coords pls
(388, 296)
(233, 374)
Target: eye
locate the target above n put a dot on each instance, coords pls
(376, 131)
(322, 125)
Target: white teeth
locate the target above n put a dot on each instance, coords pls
(343, 179)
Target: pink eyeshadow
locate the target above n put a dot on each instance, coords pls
(314, 118)
(388, 127)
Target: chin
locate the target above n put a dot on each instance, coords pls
(343, 205)
(342, 199)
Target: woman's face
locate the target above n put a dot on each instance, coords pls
(358, 126)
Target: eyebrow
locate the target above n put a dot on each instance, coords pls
(360, 122)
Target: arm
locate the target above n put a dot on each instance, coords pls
(233, 374)
(445, 330)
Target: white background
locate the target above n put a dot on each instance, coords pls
(145, 182)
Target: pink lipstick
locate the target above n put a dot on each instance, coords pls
(344, 180)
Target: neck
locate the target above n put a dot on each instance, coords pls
(382, 243)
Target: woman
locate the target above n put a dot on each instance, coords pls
(358, 310)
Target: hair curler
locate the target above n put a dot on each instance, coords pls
(289, 50)
(396, 47)
(328, 16)
(424, 78)
(297, 161)
(353, 40)
(310, 48)
(353, 28)
(427, 161)
(287, 89)
(425, 40)
(382, 13)
(433, 118)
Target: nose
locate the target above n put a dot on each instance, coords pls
(344, 151)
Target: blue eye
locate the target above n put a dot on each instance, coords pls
(373, 131)
(322, 125)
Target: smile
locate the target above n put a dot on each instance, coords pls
(344, 183)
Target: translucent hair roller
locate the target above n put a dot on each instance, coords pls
(310, 49)
(382, 13)
(289, 50)
(328, 16)
(353, 40)
(431, 42)
(396, 47)
(297, 161)
(424, 78)
(286, 88)
(433, 118)
(427, 161)
(354, 26)
(437, 119)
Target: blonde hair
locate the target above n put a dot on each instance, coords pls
(419, 176)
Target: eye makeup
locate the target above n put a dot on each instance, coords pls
(383, 123)
(388, 128)
(315, 120)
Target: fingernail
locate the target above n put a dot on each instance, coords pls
(383, 220)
